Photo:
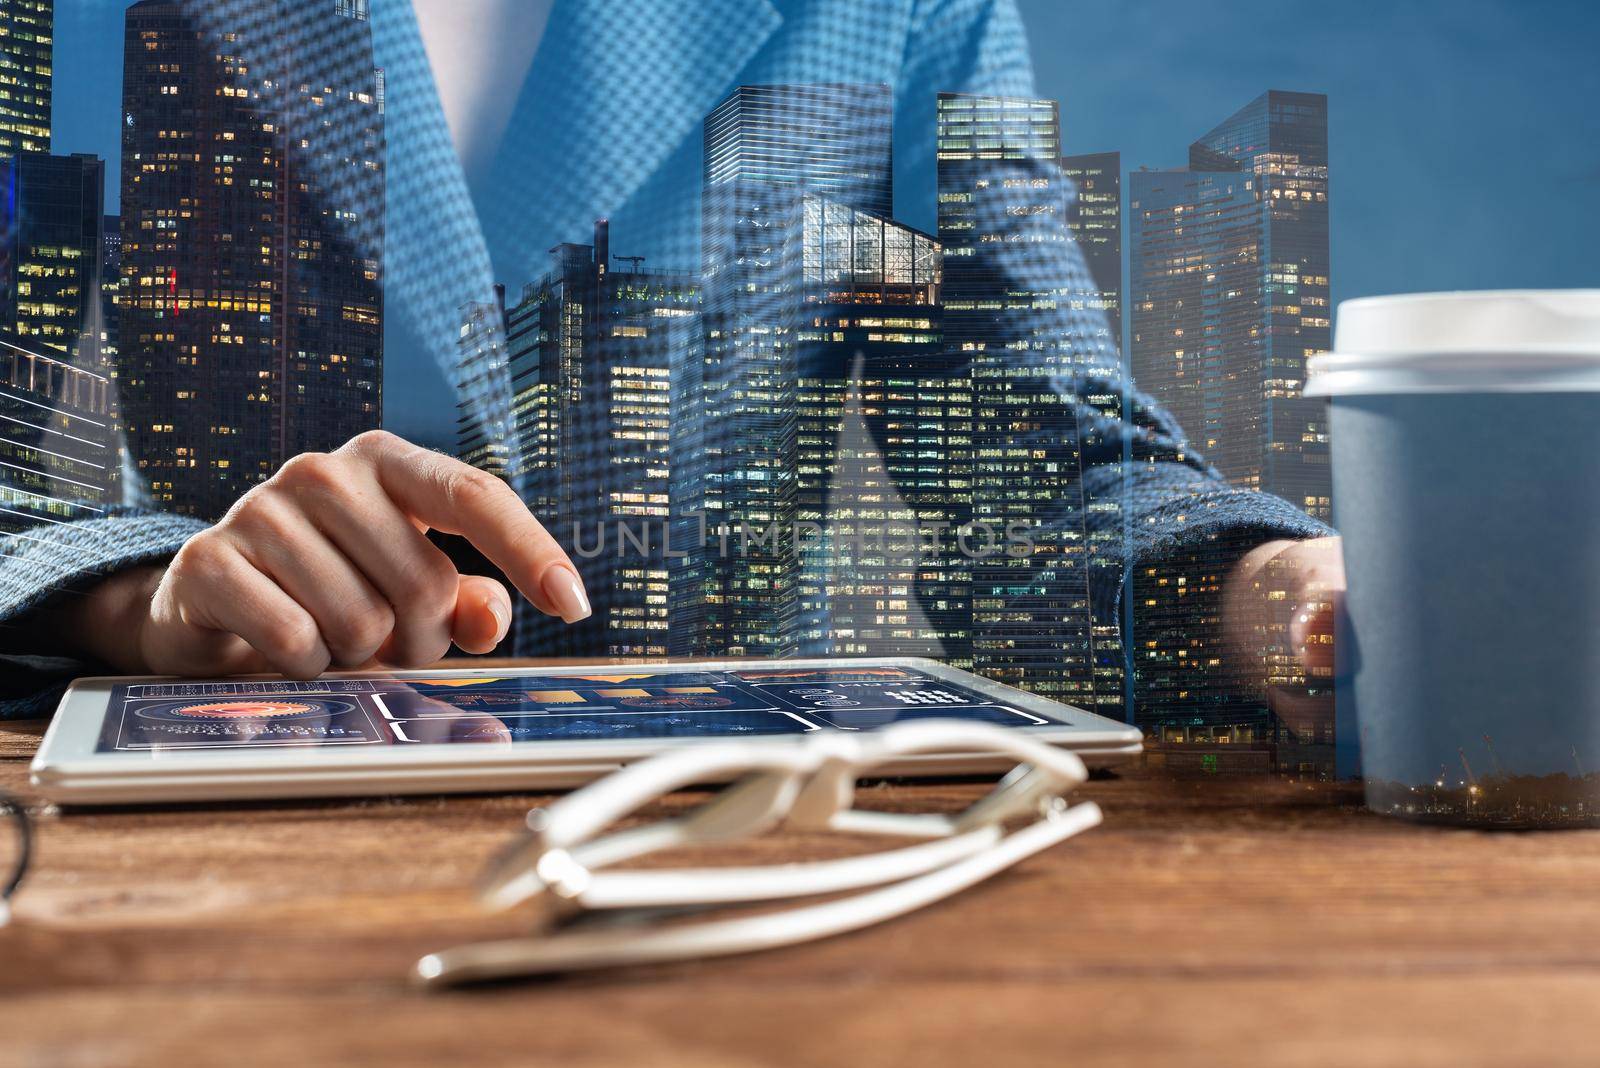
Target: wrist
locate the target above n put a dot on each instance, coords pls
(108, 621)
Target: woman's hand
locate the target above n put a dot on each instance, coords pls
(1287, 594)
(327, 564)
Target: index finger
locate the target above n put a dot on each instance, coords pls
(457, 498)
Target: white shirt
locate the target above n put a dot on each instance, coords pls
(480, 51)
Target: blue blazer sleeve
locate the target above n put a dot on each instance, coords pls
(53, 560)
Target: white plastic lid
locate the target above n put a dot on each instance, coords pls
(1506, 341)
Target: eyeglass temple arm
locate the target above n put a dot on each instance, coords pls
(599, 949)
(726, 886)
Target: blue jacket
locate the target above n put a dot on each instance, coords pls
(608, 125)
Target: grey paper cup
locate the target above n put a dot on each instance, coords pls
(1466, 482)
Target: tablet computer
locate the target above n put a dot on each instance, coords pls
(135, 740)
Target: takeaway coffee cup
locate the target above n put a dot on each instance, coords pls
(1466, 485)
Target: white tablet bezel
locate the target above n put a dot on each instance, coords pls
(69, 770)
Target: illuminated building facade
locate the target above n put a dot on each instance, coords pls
(55, 439)
(883, 442)
(766, 147)
(51, 232)
(57, 460)
(110, 285)
(1231, 294)
(1002, 221)
(252, 217)
(481, 357)
(27, 32)
(1094, 219)
(1095, 222)
(1229, 297)
(590, 349)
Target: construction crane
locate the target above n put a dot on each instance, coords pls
(1472, 780)
(635, 260)
(1577, 763)
(1499, 771)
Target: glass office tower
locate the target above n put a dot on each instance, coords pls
(1002, 221)
(1231, 293)
(51, 233)
(110, 283)
(55, 439)
(883, 442)
(27, 31)
(57, 460)
(1095, 221)
(252, 215)
(736, 500)
(481, 358)
(590, 348)
(1230, 296)
(1094, 218)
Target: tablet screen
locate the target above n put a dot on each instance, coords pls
(607, 705)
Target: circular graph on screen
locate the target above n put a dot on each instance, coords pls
(253, 709)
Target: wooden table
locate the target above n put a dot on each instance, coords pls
(1208, 921)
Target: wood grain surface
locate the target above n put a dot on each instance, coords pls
(1209, 921)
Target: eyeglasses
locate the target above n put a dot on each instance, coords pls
(586, 917)
(16, 850)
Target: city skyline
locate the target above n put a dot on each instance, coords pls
(1228, 259)
(58, 452)
(252, 200)
(1143, 80)
(848, 370)
(1228, 299)
(802, 251)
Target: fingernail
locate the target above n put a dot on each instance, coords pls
(502, 619)
(561, 585)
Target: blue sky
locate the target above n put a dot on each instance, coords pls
(1464, 134)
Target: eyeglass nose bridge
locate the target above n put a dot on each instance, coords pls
(830, 790)
(756, 803)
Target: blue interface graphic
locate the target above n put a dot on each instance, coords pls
(609, 705)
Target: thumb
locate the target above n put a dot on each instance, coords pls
(482, 615)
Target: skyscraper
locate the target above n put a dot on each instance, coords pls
(27, 32)
(832, 140)
(1094, 219)
(883, 442)
(1230, 296)
(481, 355)
(1002, 221)
(766, 147)
(55, 439)
(1095, 222)
(55, 396)
(51, 237)
(110, 328)
(590, 349)
(252, 201)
